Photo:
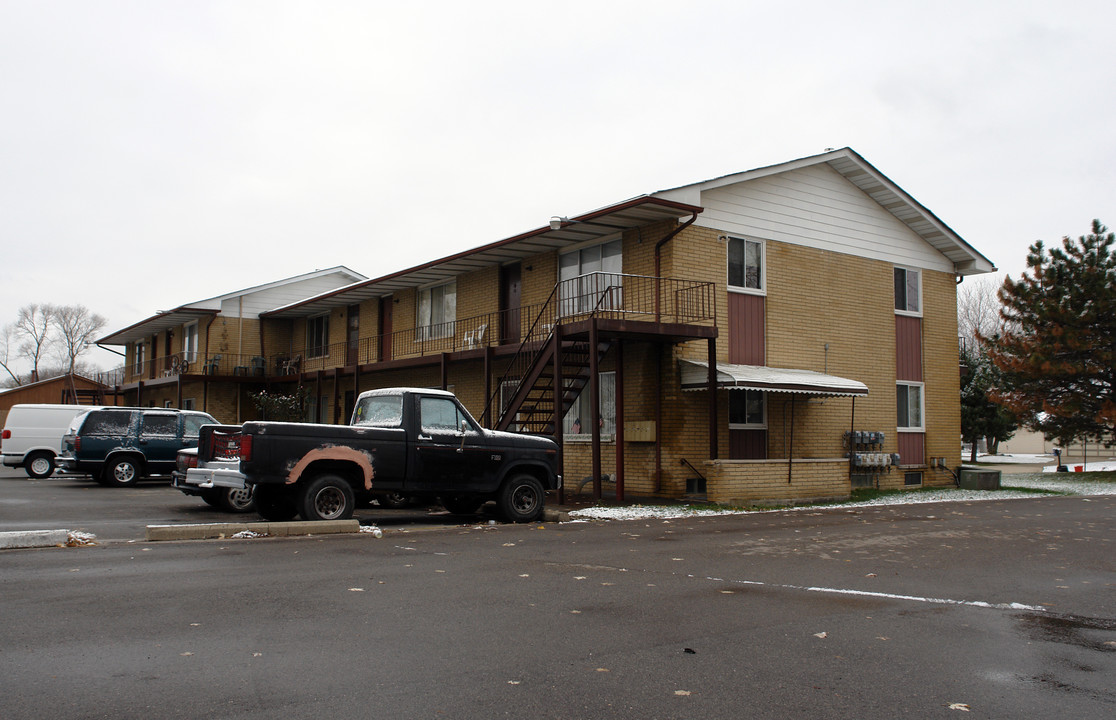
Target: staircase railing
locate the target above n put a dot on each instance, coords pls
(596, 295)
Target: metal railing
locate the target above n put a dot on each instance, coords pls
(601, 295)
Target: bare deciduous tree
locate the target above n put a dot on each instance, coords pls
(32, 329)
(978, 310)
(6, 334)
(77, 327)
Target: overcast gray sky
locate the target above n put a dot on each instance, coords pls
(158, 153)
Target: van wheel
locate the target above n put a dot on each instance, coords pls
(274, 504)
(236, 500)
(327, 497)
(39, 465)
(521, 499)
(123, 472)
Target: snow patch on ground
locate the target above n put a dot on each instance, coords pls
(1063, 483)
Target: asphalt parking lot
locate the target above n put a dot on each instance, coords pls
(122, 514)
(998, 609)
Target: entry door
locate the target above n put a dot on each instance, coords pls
(353, 313)
(386, 304)
(511, 290)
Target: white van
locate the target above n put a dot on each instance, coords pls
(32, 436)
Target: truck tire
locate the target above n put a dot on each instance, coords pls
(236, 500)
(39, 465)
(212, 497)
(123, 472)
(462, 504)
(521, 499)
(326, 497)
(274, 504)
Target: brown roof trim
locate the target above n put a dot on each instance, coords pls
(587, 218)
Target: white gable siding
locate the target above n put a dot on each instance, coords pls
(817, 207)
(259, 301)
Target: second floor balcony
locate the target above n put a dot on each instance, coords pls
(650, 303)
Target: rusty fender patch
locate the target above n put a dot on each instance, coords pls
(334, 452)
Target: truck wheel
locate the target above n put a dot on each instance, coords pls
(461, 504)
(123, 472)
(274, 504)
(236, 500)
(327, 497)
(521, 499)
(211, 497)
(39, 465)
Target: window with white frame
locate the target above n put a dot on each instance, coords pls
(590, 278)
(908, 291)
(745, 264)
(190, 342)
(747, 409)
(579, 417)
(437, 311)
(140, 358)
(909, 406)
(317, 336)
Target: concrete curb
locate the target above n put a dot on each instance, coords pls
(33, 538)
(274, 529)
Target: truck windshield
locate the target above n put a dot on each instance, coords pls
(379, 410)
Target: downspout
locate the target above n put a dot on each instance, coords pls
(205, 382)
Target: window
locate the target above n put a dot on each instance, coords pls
(578, 417)
(907, 291)
(437, 311)
(159, 425)
(747, 409)
(908, 405)
(745, 264)
(590, 278)
(442, 415)
(379, 411)
(190, 343)
(110, 422)
(140, 358)
(317, 336)
(191, 424)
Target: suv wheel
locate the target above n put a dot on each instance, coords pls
(123, 472)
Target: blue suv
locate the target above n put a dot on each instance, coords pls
(119, 446)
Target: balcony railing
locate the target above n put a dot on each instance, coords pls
(601, 295)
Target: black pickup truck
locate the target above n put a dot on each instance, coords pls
(421, 443)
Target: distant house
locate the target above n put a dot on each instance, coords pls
(62, 390)
(774, 335)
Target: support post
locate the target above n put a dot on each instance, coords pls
(620, 421)
(559, 435)
(713, 444)
(595, 407)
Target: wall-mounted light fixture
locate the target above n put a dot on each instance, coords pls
(557, 221)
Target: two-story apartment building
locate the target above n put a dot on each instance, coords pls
(207, 355)
(779, 334)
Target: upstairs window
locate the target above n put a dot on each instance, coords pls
(317, 336)
(190, 343)
(745, 264)
(140, 358)
(437, 311)
(908, 406)
(908, 291)
(591, 278)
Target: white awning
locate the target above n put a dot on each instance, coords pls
(695, 376)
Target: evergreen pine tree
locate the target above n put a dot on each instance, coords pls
(1056, 348)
